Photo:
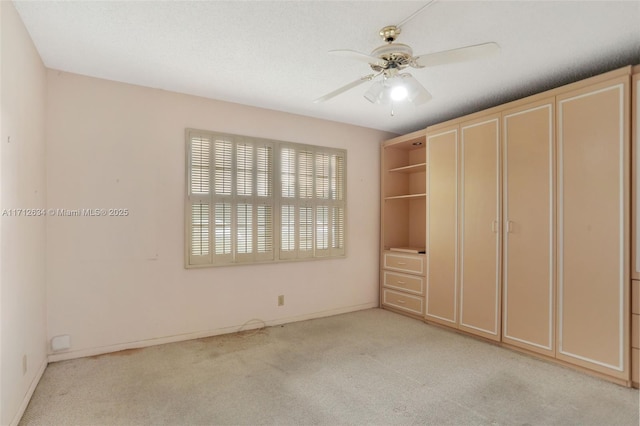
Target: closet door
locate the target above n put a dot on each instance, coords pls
(479, 227)
(442, 232)
(635, 171)
(529, 213)
(593, 227)
(635, 212)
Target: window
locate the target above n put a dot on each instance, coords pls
(241, 189)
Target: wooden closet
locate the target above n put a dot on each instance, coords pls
(527, 213)
(528, 167)
(403, 210)
(593, 226)
(463, 250)
(635, 215)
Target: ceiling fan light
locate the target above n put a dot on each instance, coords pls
(417, 94)
(399, 92)
(396, 89)
(375, 93)
(421, 98)
(411, 86)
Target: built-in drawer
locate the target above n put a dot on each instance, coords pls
(404, 262)
(635, 332)
(402, 301)
(409, 283)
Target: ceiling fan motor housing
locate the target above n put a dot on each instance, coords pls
(395, 55)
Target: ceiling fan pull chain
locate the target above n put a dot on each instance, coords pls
(410, 17)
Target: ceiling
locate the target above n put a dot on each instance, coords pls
(273, 54)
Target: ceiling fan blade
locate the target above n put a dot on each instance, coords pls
(345, 88)
(456, 55)
(358, 56)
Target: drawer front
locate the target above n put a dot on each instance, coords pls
(405, 263)
(635, 296)
(635, 331)
(403, 301)
(409, 283)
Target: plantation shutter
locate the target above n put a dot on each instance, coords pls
(289, 206)
(337, 184)
(254, 201)
(265, 203)
(198, 200)
(312, 203)
(330, 211)
(232, 210)
(222, 200)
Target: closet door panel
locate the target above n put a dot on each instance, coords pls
(480, 227)
(593, 225)
(635, 143)
(442, 235)
(529, 211)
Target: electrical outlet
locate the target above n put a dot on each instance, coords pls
(24, 364)
(281, 300)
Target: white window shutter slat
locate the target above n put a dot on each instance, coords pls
(305, 174)
(264, 171)
(244, 169)
(322, 176)
(200, 164)
(322, 228)
(265, 229)
(223, 150)
(244, 228)
(200, 230)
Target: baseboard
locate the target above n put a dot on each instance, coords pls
(248, 325)
(29, 394)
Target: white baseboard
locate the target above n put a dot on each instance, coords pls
(249, 325)
(29, 394)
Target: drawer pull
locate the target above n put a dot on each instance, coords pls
(401, 282)
(402, 302)
(402, 263)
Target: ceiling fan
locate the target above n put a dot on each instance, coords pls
(390, 59)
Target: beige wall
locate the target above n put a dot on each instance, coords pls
(22, 252)
(115, 283)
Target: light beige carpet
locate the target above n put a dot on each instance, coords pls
(367, 367)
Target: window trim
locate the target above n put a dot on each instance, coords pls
(277, 201)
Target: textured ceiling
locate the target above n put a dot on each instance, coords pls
(273, 54)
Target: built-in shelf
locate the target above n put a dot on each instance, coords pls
(413, 168)
(413, 250)
(400, 197)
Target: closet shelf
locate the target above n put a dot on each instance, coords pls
(402, 197)
(413, 168)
